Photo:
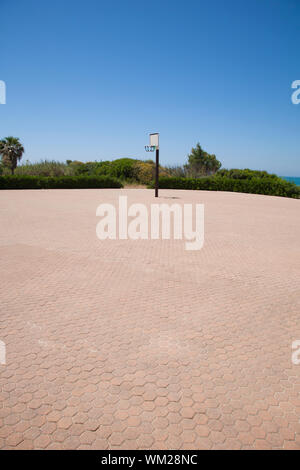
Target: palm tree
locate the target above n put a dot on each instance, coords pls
(11, 151)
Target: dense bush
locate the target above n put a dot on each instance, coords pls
(87, 169)
(54, 182)
(144, 172)
(125, 169)
(245, 174)
(268, 185)
(122, 168)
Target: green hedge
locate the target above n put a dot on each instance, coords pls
(58, 182)
(270, 186)
(245, 174)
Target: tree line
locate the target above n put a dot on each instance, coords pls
(200, 163)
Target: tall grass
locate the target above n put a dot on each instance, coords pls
(44, 168)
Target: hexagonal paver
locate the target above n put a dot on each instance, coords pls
(141, 344)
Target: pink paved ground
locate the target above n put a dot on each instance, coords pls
(141, 344)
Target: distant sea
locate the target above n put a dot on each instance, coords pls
(292, 179)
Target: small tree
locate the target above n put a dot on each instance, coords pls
(201, 163)
(11, 151)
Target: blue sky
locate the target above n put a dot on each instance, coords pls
(88, 80)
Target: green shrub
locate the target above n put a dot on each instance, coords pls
(144, 172)
(87, 169)
(245, 174)
(53, 182)
(105, 168)
(123, 168)
(267, 185)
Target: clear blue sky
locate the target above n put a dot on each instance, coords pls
(89, 80)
